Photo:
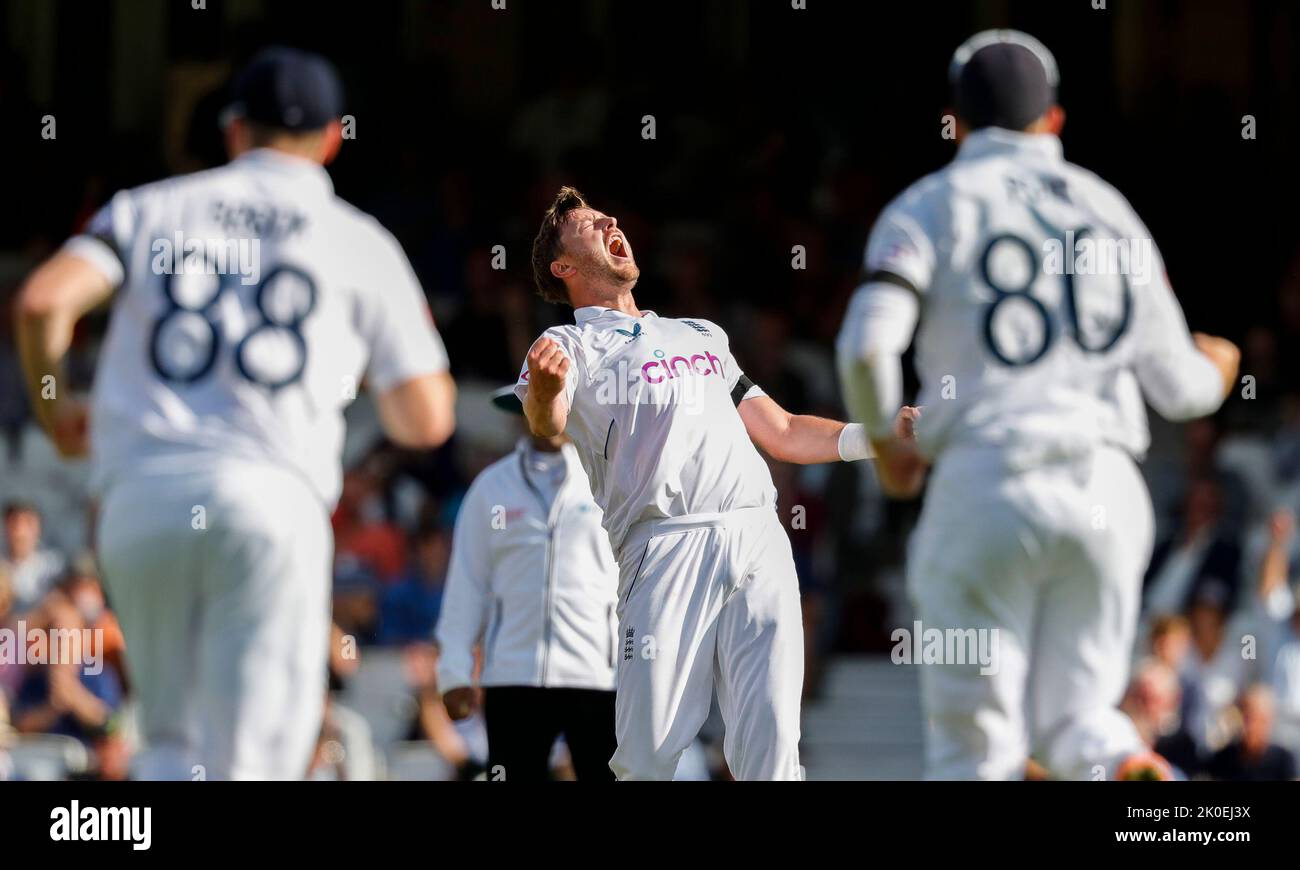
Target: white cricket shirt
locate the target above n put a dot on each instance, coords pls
(251, 303)
(1043, 306)
(531, 579)
(652, 413)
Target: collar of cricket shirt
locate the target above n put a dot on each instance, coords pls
(995, 140)
(289, 165)
(558, 465)
(588, 313)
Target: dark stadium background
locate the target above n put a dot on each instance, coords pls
(775, 127)
(767, 115)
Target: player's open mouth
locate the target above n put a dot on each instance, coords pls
(617, 248)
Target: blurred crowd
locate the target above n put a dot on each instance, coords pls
(1216, 680)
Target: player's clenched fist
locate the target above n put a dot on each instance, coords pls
(1224, 354)
(548, 368)
(905, 423)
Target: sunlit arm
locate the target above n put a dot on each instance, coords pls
(421, 412)
(546, 403)
(787, 437)
(546, 419)
(51, 301)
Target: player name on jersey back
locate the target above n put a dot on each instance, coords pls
(252, 303)
(1042, 296)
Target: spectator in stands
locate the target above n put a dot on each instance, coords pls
(6, 595)
(1152, 702)
(409, 609)
(1201, 459)
(1171, 642)
(81, 587)
(1253, 756)
(1280, 642)
(1286, 443)
(1284, 677)
(1199, 555)
(356, 600)
(69, 698)
(1171, 639)
(33, 569)
(7, 671)
(1284, 471)
(345, 750)
(362, 529)
(432, 721)
(1215, 672)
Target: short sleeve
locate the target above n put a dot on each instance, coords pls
(403, 341)
(1179, 381)
(571, 382)
(106, 239)
(738, 383)
(900, 250)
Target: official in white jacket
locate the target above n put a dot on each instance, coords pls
(533, 580)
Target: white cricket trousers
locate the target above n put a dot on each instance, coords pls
(220, 579)
(1052, 559)
(709, 600)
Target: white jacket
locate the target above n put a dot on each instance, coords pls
(535, 582)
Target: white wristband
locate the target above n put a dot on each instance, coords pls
(854, 444)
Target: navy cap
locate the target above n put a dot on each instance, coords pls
(1003, 78)
(287, 88)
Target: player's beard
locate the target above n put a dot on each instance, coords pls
(602, 269)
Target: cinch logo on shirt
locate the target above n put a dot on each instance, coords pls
(659, 370)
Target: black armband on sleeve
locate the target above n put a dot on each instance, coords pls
(111, 243)
(890, 278)
(742, 387)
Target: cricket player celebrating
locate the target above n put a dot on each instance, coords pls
(1037, 524)
(665, 423)
(217, 421)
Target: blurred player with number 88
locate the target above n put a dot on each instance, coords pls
(217, 419)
